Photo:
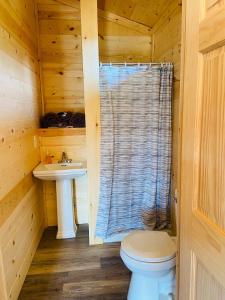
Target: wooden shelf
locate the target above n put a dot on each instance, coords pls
(48, 132)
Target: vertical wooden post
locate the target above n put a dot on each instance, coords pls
(89, 28)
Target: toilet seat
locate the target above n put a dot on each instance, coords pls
(147, 268)
(149, 246)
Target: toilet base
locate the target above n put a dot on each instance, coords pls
(144, 287)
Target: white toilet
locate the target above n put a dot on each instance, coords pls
(151, 257)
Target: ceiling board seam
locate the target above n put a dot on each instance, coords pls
(65, 2)
(139, 27)
(170, 9)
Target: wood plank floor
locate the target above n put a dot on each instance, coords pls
(71, 269)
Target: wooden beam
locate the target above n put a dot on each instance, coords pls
(124, 22)
(90, 51)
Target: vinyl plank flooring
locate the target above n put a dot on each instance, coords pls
(91, 288)
(71, 269)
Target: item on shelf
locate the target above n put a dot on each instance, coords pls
(63, 120)
(77, 120)
(48, 159)
(49, 120)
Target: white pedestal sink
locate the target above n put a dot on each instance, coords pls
(63, 174)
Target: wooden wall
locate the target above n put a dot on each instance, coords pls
(61, 50)
(61, 55)
(122, 40)
(73, 142)
(62, 81)
(140, 11)
(167, 47)
(21, 212)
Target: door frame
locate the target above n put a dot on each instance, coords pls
(179, 201)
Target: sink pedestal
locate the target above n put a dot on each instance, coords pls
(65, 209)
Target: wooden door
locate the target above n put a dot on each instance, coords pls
(202, 189)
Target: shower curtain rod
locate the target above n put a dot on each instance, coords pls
(136, 63)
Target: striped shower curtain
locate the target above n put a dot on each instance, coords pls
(135, 170)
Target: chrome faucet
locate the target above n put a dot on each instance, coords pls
(64, 159)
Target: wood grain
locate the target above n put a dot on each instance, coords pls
(61, 57)
(213, 31)
(9, 203)
(117, 34)
(54, 132)
(140, 11)
(21, 210)
(208, 288)
(212, 153)
(90, 50)
(71, 269)
(210, 3)
(124, 22)
(19, 237)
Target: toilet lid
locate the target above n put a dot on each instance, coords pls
(149, 246)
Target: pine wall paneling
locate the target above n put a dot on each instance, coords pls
(61, 55)
(122, 40)
(167, 47)
(19, 237)
(145, 12)
(61, 61)
(21, 211)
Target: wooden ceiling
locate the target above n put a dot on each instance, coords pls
(145, 12)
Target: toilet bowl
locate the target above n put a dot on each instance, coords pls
(151, 257)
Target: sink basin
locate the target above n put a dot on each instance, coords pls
(63, 174)
(60, 171)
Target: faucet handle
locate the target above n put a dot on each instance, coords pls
(65, 158)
